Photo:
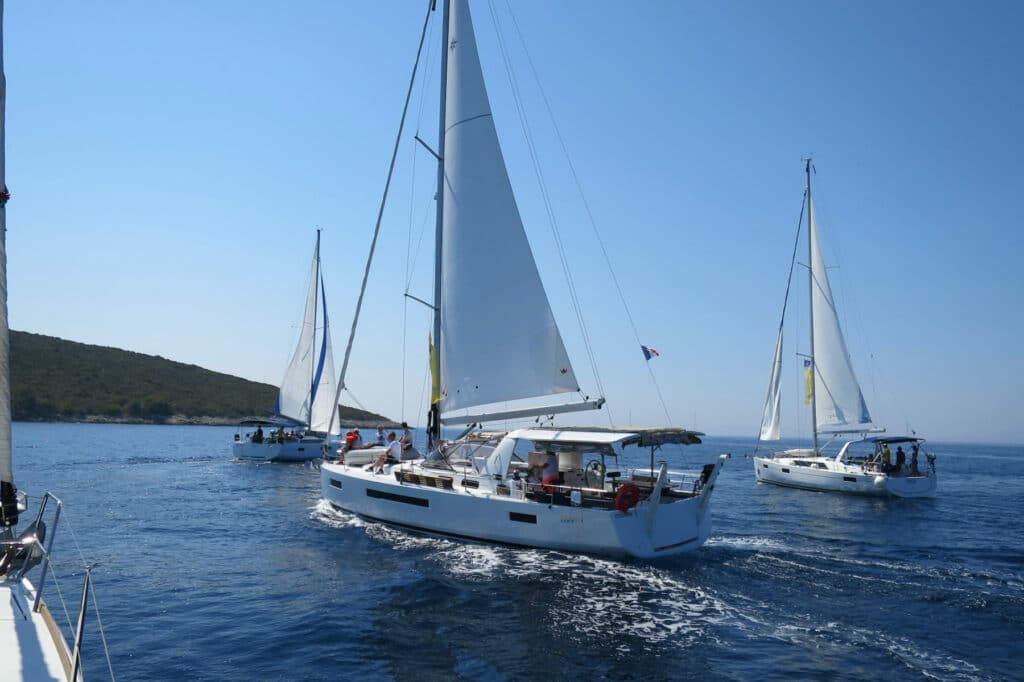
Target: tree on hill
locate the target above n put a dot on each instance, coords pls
(53, 379)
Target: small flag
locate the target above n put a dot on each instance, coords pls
(808, 382)
(649, 352)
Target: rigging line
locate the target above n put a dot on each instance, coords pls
(404, 337)
(355, 400)
(549, 209)
(380, 215)
(572, 170)
(416, 251)
(103, 635)
(785, 302)
(792, 259)
(95, 601)
(657, 388)
(579, 189)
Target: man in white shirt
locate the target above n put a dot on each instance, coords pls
(392, 454)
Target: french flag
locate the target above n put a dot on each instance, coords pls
(649, 352)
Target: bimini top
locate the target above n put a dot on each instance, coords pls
(590, 435)
(284, 422)
(882, 440)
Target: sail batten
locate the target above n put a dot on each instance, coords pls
(498, 337)
(839, 400)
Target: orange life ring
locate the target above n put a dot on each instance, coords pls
(627, 497)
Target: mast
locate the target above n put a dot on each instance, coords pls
(434, 416)
(8, 496)
(810, 294)
(316, 313)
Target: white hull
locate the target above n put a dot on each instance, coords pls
(302, 450)
(678, 524)
(827, 475)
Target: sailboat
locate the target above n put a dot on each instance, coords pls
(498, 354)
(304, 413)
(32, 646)
(865, 465)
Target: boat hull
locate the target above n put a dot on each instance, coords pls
(677, 526)
(302, 450)
(826, 475)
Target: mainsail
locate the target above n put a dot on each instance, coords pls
(499, 340)
(839, 401)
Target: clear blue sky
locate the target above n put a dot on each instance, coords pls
(170, 161)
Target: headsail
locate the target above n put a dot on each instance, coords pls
(306, 392)
(499, 340)
(770, 429)
(840, 403)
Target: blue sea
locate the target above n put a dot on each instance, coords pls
(212, 569)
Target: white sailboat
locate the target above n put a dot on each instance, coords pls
(32, 646)
(305, 410)
(865, 465)
(498, 343)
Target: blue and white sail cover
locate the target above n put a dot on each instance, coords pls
(499, 339)
(838, 399)
(307, 390)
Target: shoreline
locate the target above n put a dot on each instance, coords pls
(184, 420)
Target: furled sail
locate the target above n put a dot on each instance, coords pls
(499, 340)
(8, 501)
(839, 401)
(770, 429)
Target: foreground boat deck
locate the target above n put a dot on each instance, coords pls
(29, 648)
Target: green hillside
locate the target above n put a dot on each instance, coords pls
(57, 380)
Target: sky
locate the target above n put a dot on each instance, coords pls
(170, 163)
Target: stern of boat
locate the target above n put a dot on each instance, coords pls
(911, 486)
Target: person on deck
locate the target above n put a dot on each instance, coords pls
(392, 455)
(406, 439)
(258, 436)
(549, 475)
(886, 458)
(901, 459)
(914, 471)
(380, 439)
(357, 442)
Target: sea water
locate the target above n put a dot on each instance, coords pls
(213, 569)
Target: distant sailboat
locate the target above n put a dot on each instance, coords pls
(498, 342)
(837, 407)
(305, 411)
(32, 646)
